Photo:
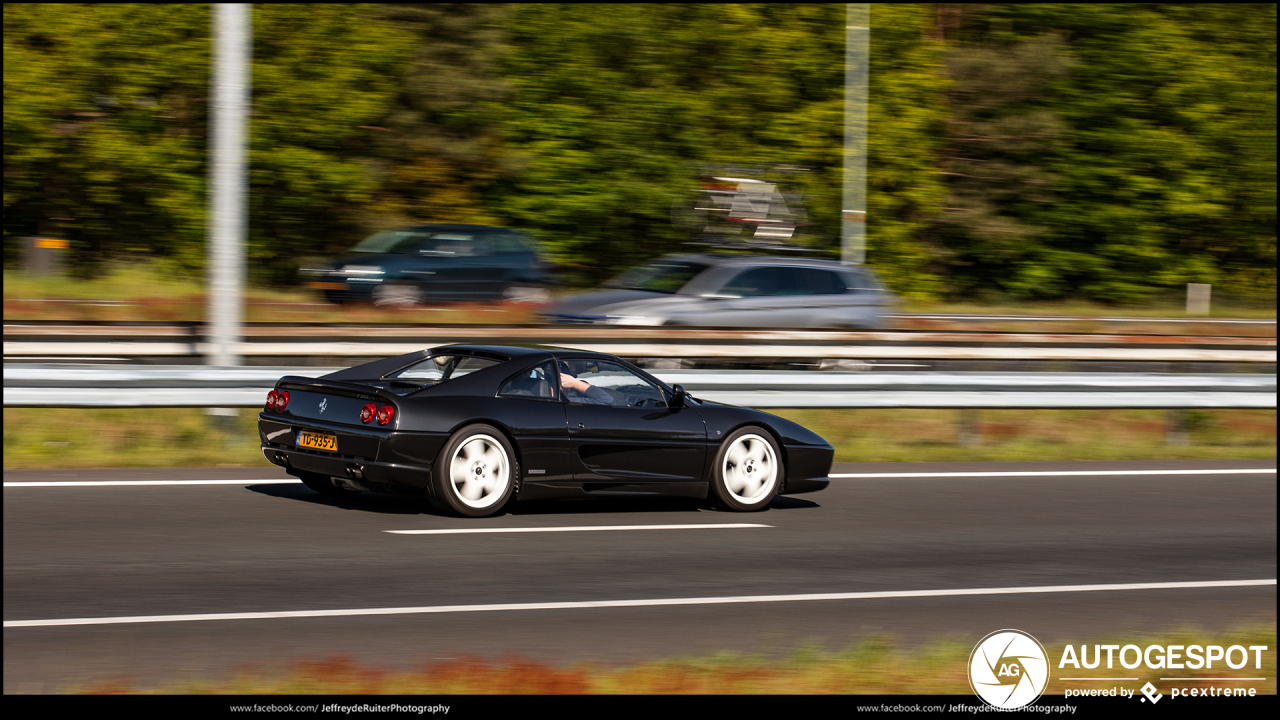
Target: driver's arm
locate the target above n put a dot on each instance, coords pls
(589, 393)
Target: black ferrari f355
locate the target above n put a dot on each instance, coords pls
(472, 426)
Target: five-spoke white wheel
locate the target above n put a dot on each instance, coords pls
(748, 470)
(476, 472)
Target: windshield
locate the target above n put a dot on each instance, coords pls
(426, 242)
(664, 276)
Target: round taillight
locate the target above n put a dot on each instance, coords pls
(367, 412)
(385, 413)
(281, 400)
(271, 400)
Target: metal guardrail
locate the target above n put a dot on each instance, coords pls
(65, 385)
(979, 317)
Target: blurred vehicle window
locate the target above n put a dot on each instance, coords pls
(859, 282)
(507, 244)
(663, 277)
(813, 281)
(449, 244)
(538, 382)
(763, 282)
(388, 240)
(454, 244)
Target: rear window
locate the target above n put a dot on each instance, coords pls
(439, 368)
(659, 276)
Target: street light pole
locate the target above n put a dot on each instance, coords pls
(857, 55)
(226, 229)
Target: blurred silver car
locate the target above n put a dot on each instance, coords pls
(734, 291)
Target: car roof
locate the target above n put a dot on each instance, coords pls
(510, 351)
(517, 352)
(453, 226)
(717, 260)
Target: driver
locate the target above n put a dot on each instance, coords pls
(581, 391)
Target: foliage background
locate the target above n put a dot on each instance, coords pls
(1038, 151)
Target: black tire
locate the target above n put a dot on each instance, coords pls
(476, 472)
(325, 486)
(748, 470)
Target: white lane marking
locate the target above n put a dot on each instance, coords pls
(105, 483)
(588, 604)
(1058, 473)
(579, 528)
(1049, 473)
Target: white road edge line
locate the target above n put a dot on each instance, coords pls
(579, 528)
(106, 483)
(1058, 473)
(656, 602)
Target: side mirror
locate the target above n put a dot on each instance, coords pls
(680, 394)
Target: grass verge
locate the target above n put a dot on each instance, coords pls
(147, 291)
(873, 666)
(187, 437)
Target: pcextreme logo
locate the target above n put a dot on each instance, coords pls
(1008, 669)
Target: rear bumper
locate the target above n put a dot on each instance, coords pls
(382, 460)
(385, 477)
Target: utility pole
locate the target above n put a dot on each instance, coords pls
(226, 231)
(857, 58)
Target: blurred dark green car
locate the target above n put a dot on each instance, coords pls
(428, 263)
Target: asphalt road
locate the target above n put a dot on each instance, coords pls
(165, 550)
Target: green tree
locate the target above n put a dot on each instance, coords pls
(610, 119)
(323, 76)
(1161, 162)
(440, 147)
(104, 126)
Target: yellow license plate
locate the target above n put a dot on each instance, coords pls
(319, 441)
(327, 286)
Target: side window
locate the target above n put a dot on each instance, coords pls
(763, 282)
(600, 382)
(858, 282)
(455, 245)
(507, 244)
(537, 383)
(814, 281)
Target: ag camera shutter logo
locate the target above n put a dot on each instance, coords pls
(1008, 669)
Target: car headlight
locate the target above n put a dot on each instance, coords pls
(634, 319)
(361, 270)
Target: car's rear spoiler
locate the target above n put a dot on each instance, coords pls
(376, 369)
(335, 387)
(379, 369)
